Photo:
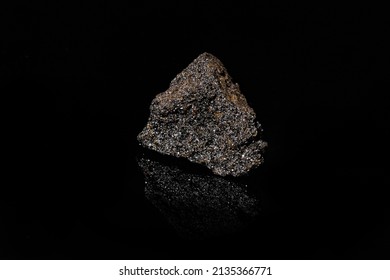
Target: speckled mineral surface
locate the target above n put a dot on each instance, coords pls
(204, 117)
(198, 206)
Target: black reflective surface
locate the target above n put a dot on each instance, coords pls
(76, 86)
(198, 206)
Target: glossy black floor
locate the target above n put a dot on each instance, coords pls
(79, 88)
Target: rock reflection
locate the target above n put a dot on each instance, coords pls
(198, 206)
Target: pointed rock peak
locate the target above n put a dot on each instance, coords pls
(204, 117)
(209, 60)
(204, 67)
(207, 57)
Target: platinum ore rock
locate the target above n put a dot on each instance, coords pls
(203, 117)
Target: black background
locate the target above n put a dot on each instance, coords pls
(77, 81)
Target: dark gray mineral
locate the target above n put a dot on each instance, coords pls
(204, 117)
(198, 206)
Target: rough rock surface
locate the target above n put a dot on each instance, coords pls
(198, 206)
(204, 117)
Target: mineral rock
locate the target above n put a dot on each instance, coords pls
(204, 117)
(198, 206)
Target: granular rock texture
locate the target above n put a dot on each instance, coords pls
(198, 206)
(204, 117)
